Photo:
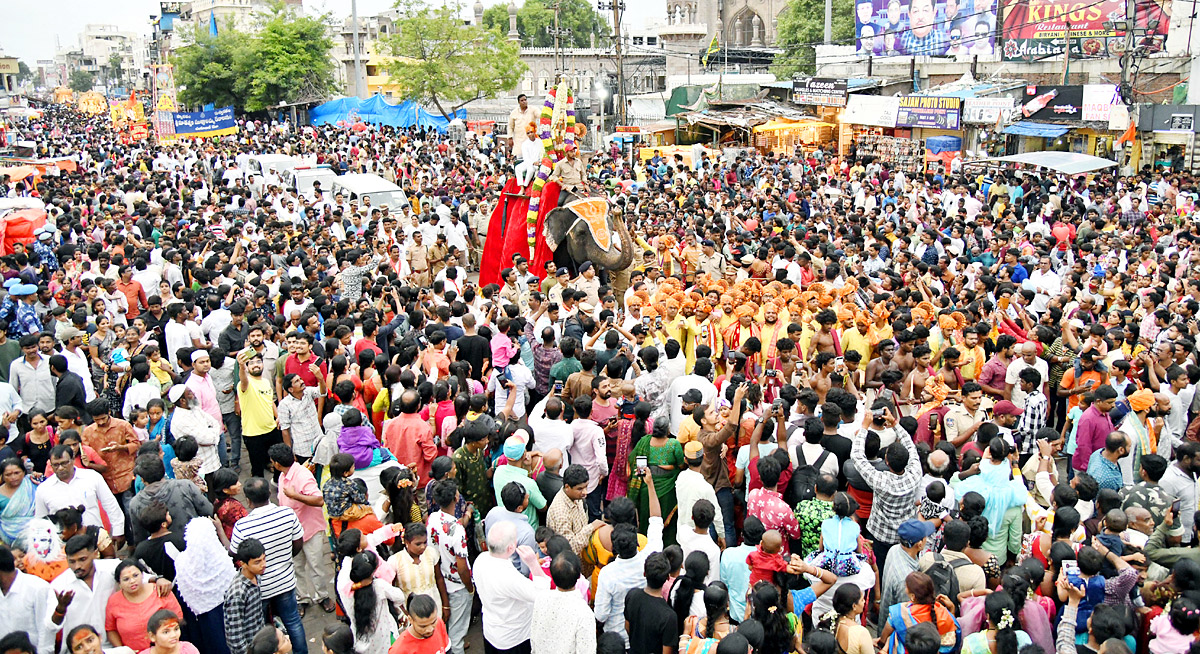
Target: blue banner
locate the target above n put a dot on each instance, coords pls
(205, 123)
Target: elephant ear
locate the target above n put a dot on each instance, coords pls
(594, 213)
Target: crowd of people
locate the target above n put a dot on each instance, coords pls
(831, 408)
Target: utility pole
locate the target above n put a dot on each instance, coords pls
(1066, 54)
(618, 6)
(558, 32)
(828, 22)
(1126, 88)
(358, 90)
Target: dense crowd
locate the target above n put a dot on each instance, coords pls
(832, 407)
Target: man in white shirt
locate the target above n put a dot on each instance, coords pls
(553, 433)
(71, 486)
(691, 487)
(699, 381)
(25, 604)
(1045, 283)
(506, 595)
(697, 539)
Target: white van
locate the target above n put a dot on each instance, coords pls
(300, 179)
(356, 186)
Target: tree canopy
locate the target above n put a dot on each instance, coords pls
(803, 22)
(23, 72)
(81, 81)
(436, 58)
(285, 60)
(535, 17)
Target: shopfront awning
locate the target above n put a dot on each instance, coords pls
(1045, 130)
(1068, 163)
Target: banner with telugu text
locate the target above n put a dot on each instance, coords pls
(202, 124)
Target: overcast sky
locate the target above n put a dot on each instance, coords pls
(31, 33)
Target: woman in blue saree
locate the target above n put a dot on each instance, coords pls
(16, 500)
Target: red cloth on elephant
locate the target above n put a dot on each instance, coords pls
(496, 252)
(502, 244)
(542, 253)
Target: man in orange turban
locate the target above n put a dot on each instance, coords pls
(736, 335)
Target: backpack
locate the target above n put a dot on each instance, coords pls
(804, 478)
(944, 577)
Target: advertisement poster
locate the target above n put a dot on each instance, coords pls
(1034, 29)
(890, 28)
(819, 91)
(197, 124)
(987, 111)
(164, 102)
(1098, 101)
(1057, 103)
(929, 112)
(873, 110)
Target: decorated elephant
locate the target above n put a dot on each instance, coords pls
(588, 229)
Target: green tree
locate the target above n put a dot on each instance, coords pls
(81, 81)
(535, 17)
(801, 23)
(212, 69)
(23, 72)
(436, 58)
(116, 72)
(286, 60)
(290, 60)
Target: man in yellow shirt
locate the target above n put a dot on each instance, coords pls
(855, 338)
(688, 429)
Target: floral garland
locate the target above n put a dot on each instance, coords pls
(546, 133)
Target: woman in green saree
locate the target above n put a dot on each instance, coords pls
(664, 458)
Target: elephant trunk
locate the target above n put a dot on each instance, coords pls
(615, 260)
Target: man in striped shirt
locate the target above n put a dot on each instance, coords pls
(282, 536)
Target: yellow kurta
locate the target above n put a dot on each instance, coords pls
(854, 340)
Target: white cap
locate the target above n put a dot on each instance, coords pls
(176, 392)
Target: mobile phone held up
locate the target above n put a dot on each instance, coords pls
(641, 462)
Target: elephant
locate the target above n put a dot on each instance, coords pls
(568, 234)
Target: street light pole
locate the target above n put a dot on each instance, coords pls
(358, 90)
(602, 93)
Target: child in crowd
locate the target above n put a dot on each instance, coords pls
(186, 464)
(767, 559)
(141, 418)
(839, 539)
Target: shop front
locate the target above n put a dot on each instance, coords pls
(936, 124)
(1065, 119)
(983, 122)
(1169, 136)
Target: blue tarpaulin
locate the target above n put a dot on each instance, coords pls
(1029, 128)
(940, 144)
(377, 111)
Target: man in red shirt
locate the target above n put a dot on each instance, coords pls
(410, 438)
(298, 363)
(133, 292)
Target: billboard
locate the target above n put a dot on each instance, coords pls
(987, 111)
(929, 112)
(197, 124)
(819, 91)
(1051, 103)
(1034, 29)
(886, 28)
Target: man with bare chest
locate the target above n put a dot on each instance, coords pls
(825, 340)
(876, 366)
(904, 360)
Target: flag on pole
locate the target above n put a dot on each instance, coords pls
(212, 24)
(712, 47)
(1130, 134)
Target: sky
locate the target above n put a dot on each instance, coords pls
(31, 33)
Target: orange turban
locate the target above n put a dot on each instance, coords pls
(947, 322)
(634, 301)
(746, 309)
(1141, 400)
(845, 314)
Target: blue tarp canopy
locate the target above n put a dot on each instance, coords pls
(1046, 130)
(940, 144)
(377, 111)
